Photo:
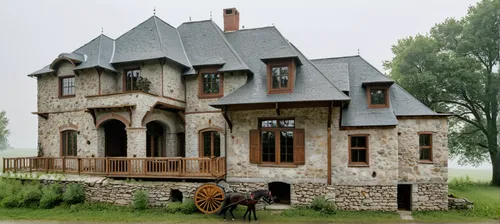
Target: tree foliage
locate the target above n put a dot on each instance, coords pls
(4, 131)
(454, 68)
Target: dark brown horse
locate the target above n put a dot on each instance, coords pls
(232, 200)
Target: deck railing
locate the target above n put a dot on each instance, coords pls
(175, 167)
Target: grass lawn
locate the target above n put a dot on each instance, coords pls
(486, 206)
(123, 214)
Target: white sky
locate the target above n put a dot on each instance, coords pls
(35, 32)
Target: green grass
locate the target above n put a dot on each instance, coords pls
(486, 206)
(15, 153)
(124, 214)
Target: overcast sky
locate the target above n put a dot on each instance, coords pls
(35, 32)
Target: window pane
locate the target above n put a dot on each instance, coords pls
(287, 123)
(211, 83)
(207, 144)
(131, 79)
(268, 146)
(286, 146)
(425, 140)
(358, 141)
(216, 144)
(69, 143)
(269, 124)
(284, 77)
(377, 96)
(358, 155)
(425, 154)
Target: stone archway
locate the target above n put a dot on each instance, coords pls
(115, 138)
(281, 191)
(155, 140)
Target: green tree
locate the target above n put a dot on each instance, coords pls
(4, 131)
(455, 69)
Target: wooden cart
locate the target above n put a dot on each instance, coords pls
(209, 198)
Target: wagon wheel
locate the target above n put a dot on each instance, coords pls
(209, 198)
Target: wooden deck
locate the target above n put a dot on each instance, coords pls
(175, 167)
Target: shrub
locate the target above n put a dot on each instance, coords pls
(51, 196)
(12, 201)
(322, 205)
(9, 187)
(186, 207)
(74, 194)
(140, 200)
(30, 195)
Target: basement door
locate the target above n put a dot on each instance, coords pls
(404, 197)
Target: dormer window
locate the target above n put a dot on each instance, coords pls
(280, 76)
(210, 83)
(378, 97)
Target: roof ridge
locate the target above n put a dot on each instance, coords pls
(256, 28)
(86, 44)
(317, 69)
(163, 21)
(183, 49)
(134, 27)
(99, 51)
(379, 72)
(113, 53)
(348, 56)
(199, 21)
(229, 45)
(159, 36)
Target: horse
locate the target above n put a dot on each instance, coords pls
(232, 200)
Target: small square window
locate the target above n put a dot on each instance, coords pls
(281, 76)
(378, 97)
(425, 147)
(210, 83)
(358, 150)
(67, 86)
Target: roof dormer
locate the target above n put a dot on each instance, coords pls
(377, 93)
(280, 75)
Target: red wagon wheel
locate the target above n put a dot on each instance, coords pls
(209, 198)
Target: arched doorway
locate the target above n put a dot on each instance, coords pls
(281, 192)
(155, 140)
(115, 138)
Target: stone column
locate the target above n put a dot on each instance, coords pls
(101, 143)
(136, 142)
(171, 144)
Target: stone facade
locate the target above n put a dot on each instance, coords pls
(429, 196)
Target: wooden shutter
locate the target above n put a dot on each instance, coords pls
(254, 142)
(299, 153)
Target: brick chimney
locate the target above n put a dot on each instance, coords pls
(231, 19)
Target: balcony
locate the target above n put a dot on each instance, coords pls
(175, 167)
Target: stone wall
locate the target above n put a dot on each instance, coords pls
(366, 197)
(459, 203)
(199, 122)
(109, 83)
(429, 196)
(410, 168)
(313, 120)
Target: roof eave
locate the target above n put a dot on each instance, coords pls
(296, 58)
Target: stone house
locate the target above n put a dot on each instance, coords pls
(244, 105)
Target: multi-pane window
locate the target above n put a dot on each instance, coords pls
(277, 140)
(132, 76)
(211, 83)
(378, 97)
(68, 143)
(210, 144)
(67, 86)
(425, 147)
(358, 150)
(279, 77)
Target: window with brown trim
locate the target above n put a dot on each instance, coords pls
(210, 144)
(211, 83)
(378, 97)
(425, 146)
(359, 150)
(277, 142)
(69, 143)
(131, 77)
(281, 76)
(67, 86)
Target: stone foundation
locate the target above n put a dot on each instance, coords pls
(431, 196)
(459, 203)
(366, 197)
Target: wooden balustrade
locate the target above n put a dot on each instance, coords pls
(160, 167)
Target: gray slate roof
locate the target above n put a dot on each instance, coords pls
(205, 44)
(98, 53)
(358, 113)
(152, 39)
(338, 73)
(254, 44)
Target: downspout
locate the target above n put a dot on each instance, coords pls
(225, 151)
(329, 145)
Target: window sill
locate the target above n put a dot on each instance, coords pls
(358, 165)
(425, 162)
(66, 97)
(210, 96)
(375, 106)
(284, 91)
(278, 165)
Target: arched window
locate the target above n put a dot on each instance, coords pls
(68, 143)
(210, 144)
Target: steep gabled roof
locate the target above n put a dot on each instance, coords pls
(358, 113)
(254, 44)
(205, 44)
(152, 39)
(338, 73)
(97, 52)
